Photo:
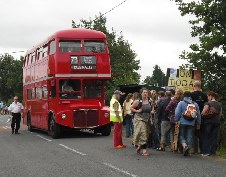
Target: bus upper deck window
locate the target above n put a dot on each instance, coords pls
(95, 46)
(70, 46)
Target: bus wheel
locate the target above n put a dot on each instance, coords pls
(29, 126)
(106, 130)
(54, 128)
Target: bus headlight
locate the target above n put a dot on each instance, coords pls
(106, 115)
(63, 116)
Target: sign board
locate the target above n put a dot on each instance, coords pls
(88, 60)
(183, 79)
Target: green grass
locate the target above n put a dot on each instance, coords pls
(222, 152)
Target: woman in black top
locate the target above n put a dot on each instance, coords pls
(211, 118)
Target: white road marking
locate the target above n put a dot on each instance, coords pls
(120, 170)
(8, 127)
(44, 138)
(4, 128)
(73, 150)
(8, 120)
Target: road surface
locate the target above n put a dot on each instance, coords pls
(35, 154)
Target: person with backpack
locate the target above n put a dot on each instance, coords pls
(187, 112)
(211, 117)
(142, 110)
(171, 115)
(163, 117)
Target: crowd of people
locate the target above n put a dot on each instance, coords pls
(186, 122)
(3, 108)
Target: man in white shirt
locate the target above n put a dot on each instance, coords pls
(15, 109)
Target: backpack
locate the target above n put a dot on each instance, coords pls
(190, 113)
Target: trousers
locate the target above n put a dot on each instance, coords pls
(16, 120)
(165, 129)
(140, 132)
(118, 134)
(186, 132)
(129, 125)
(210, 138)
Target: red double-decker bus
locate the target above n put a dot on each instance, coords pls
(63, 82)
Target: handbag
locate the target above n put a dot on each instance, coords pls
(211, 112)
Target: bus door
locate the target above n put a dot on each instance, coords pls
(52, 102)
(44, 107)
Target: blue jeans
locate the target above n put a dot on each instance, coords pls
(186, 133)
(129, 125)
(210, 131)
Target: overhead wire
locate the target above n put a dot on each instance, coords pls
(114, 8)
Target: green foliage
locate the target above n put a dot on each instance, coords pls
(10, 77)
(208, 21)
(158, 77)
(124, 65)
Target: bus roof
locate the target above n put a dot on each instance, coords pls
(79, 33)
(72, 33)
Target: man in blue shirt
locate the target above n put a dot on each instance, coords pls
(187, 125)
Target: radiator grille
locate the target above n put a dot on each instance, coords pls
(86, 118)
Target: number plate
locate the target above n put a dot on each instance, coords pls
(87, 67)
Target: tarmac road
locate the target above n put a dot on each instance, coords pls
(79, 154)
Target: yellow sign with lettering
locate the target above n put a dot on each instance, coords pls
(185, 80)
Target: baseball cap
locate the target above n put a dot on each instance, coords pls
(118, 92)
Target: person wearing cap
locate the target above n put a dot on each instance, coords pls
(15, 109)
(117, 119)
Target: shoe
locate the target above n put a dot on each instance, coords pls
(12, 131)
(160, 149)
(205, 155)
(119, 147)
(145, 154)
(186, 151)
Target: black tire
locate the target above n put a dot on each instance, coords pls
(29, 126)
(106, 130)
(54, 128)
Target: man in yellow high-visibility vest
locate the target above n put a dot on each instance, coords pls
(117, 119)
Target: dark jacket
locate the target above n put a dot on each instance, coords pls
(162, 114)
(200, 98)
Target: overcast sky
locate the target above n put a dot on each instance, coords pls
(155, 28)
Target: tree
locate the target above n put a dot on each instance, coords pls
(124, 65)
(148, 80)
(10, 77)
(209, 55)
(158, 77)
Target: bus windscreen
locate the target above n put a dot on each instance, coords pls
(70, 46)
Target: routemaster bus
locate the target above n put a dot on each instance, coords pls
(63, 83)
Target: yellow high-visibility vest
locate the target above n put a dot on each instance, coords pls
(113, 117)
